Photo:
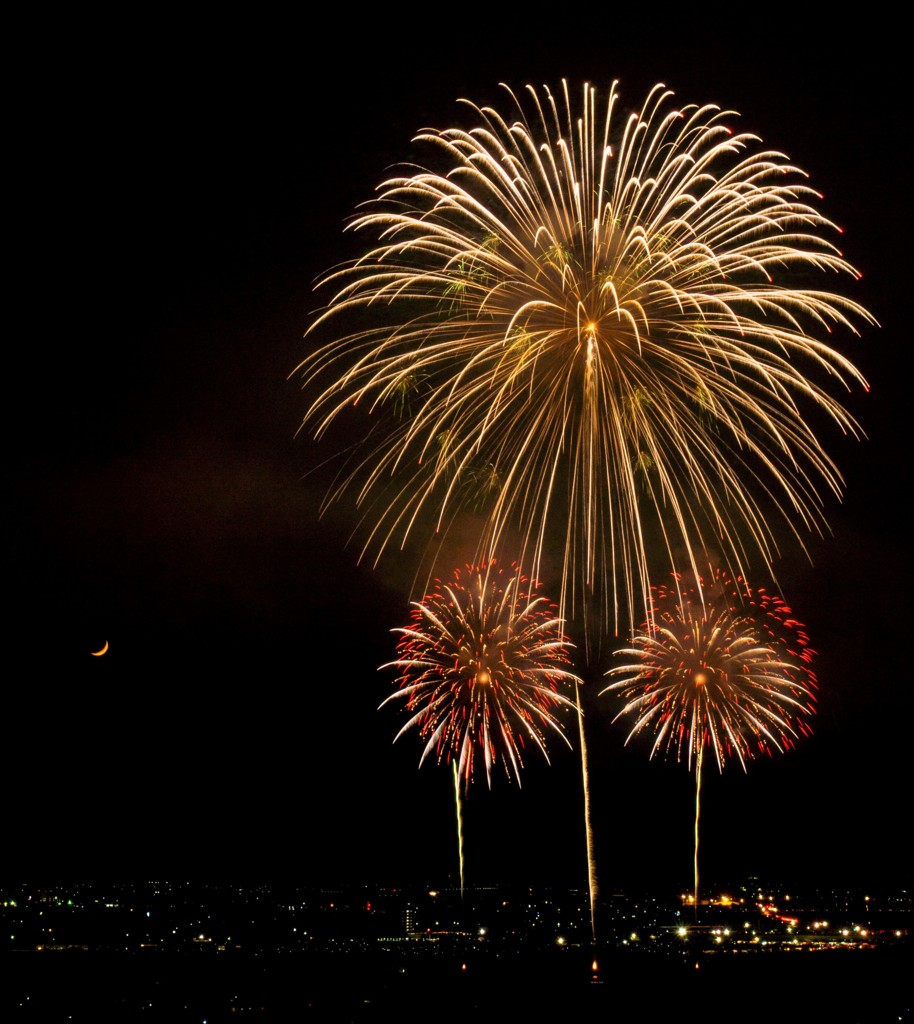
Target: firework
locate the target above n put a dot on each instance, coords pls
(594, 329)
(482, 669)
(718, 666)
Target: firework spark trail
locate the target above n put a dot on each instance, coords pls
(592, 885)
(717, 665)
(458, 807)
(698, 760)
(593, 323)
(481, 670)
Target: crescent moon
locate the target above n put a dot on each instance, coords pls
(98, 654)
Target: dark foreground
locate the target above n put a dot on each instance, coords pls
(837, 986)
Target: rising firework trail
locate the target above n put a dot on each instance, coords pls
(458, 809)
(718, 666)
(592, 884)
(604, 333)
(481, 671)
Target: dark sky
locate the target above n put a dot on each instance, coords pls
(182, 188)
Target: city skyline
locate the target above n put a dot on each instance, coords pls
(214, 952)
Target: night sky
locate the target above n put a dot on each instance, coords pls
(181, 191)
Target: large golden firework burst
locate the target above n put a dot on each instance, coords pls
(602, 332)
